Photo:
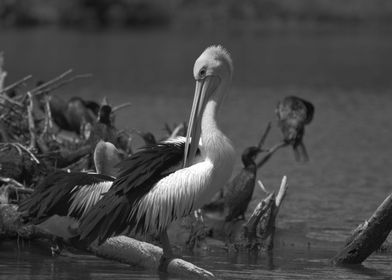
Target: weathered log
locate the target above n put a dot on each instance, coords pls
(120, 248)
(368, 236)
(134, 252)
(11, 225)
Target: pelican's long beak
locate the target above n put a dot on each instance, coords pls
(203, 91)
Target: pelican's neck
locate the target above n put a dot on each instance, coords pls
(216, 145)
(216, 151)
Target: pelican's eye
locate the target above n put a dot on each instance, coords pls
(202, 73)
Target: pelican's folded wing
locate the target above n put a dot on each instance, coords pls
(62, 193)
(115, 212)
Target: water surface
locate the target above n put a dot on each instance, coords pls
(345, 73)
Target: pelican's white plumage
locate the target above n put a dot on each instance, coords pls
(189, 188)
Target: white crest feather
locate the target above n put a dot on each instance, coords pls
(219, 52)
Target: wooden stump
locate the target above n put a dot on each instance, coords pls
(368, 236)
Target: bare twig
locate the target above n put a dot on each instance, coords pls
(10, 100)
(282, 192)
(62, 83)
(20, 147)
(38, 89)
(121, 106)
(30, 108)
(105, 101)
(168, 128)
(262, 187)
(16, 84)
(3, 73)
(270, 152)
(48, 115)
(176, 130)
(266, 132)
(11, 181)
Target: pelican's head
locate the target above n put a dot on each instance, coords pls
(212, 71)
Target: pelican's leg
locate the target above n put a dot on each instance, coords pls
(167, 255)
(167, 251)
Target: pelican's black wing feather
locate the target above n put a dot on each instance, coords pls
(53, 195)
(116, 211)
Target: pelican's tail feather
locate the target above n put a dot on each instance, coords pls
(106, 219)
(64, 194)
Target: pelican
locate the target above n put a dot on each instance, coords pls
(71, 194)
(167, 181)
(293, 114)
(240, 190)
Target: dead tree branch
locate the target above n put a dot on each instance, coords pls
(270, 152)
(368, 236)
(16, 84)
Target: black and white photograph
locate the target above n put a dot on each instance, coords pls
(195, 139)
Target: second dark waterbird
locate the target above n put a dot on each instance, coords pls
(294, 114)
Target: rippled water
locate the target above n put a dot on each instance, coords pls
(345, 73)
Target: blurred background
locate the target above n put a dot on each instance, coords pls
(125, 13)
(336, 54)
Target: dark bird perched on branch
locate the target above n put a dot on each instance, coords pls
(240, 190)
(71, 115)
(103, 129)
(80, 112)
(167, 181)
(293, 114)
